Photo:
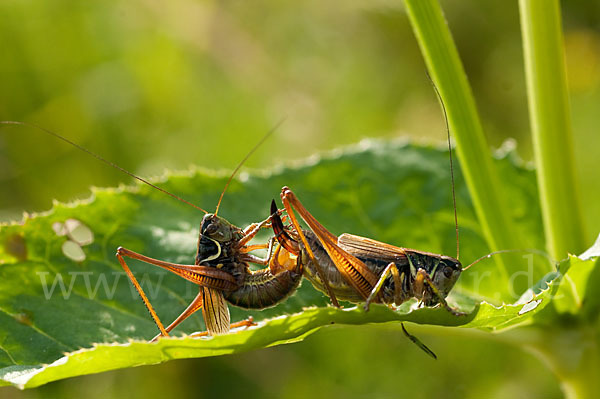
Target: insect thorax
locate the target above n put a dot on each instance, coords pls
(218, 246)
(443, 271)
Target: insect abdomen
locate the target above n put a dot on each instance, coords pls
(263, 289)
(343, 289)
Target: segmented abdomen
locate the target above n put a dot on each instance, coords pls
(262, 289)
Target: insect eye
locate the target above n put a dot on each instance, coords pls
(448, 271)
(210, 229)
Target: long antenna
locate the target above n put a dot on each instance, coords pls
(504, 251)
(451, 163)
(98, 157)
(265, 137)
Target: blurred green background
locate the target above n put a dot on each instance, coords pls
(153, 85)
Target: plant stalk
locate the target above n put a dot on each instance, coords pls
(446, 70)
(550, 120)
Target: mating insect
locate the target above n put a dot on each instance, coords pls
(222, 273)
(359, 269)
(221, 267)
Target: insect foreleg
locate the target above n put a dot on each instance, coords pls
(253, 229)
(422, 274)
(255, 259)
(250, 248)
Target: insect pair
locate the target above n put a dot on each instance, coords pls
(348, 267)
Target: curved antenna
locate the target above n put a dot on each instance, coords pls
(265, 137)
(451, 163)
(503, 251)
(98, 157)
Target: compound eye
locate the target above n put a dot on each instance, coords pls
(211, 229)
(448, 271)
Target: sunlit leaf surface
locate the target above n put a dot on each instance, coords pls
(67, 308)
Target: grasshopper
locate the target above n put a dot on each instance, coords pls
(221, 268)
(359, 269)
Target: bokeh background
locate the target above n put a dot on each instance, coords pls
(155, 84)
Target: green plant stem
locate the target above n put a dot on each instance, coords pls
(551, 126)
(445, 67)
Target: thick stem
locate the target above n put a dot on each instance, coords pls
(446, 70)
(551, 126)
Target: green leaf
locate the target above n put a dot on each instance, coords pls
(392, 191)
(579, 293)
(573, 291)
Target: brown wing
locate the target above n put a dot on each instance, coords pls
(362, 247)
(215, 311)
